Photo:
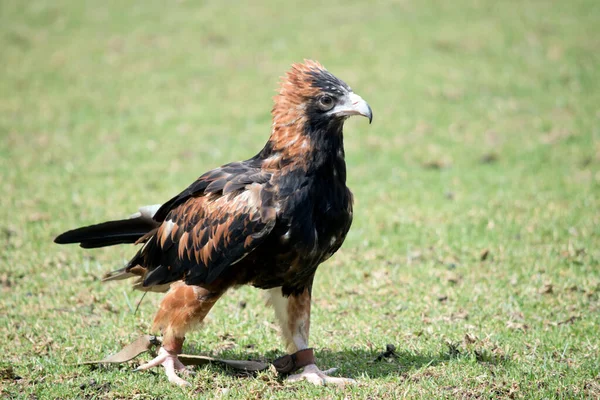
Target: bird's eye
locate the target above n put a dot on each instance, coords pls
(326, 103)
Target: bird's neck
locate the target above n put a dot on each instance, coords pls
(314, 147)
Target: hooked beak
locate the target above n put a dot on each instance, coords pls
(353, 105)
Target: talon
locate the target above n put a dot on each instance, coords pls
(171, 364)
(317, 377)
(159, 360)
(330, 371)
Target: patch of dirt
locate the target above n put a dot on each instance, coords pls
(390, 352)
(7, 373)
(592, 388)
(93, 388)
(488, 158)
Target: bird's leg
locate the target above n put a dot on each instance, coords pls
(183, 307)
(293, 314)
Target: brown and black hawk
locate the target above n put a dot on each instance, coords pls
(268, 222)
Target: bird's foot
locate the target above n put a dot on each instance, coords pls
(312, 374)
(171, 364)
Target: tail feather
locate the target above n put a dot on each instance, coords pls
(138, 228)
(112, 232)
(118, 275)
(107, 233)
(138, 284)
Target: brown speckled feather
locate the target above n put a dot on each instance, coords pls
(210, 226)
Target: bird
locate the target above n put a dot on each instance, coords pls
(268, 222)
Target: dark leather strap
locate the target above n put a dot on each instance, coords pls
(284, 365)
(293, 362)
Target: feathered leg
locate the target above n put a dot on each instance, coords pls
(180, 310)
(293, 314)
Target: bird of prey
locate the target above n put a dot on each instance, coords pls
(268, 221)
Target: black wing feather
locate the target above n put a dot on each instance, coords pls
(210, 226)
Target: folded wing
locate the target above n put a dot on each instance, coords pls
(210, 226)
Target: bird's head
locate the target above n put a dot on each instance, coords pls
(311, 107)
(309, 91)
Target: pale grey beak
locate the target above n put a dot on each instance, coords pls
(353, 105)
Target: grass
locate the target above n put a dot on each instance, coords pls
(475, 248)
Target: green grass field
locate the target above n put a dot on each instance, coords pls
(475, 247)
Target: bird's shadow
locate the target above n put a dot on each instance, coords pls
(357, 363)
(353, 363)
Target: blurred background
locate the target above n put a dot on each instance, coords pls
(477, 186)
